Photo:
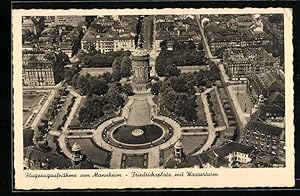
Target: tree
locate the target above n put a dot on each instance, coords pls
(91, 49)
(180, 104)
(98, 86)
(114, 88)
(116, 66)
(81, 82)
(208, 84)
(62, 59)
(190, 45)
(172, 70)
(178, 84)
(108, 108)
(85, 115)
(70, 73)
(107, 76)
(167, 97)
(115, 76)
(127, 89)
(115, 99)
(185, 106)
(200, 46)
(155, 87)
(275, 18)
(163, 45)
(125, 67)
(74, 80)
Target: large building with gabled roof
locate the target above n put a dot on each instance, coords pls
(241, 62)
(269, 84)
(265, 137)
(227, 155)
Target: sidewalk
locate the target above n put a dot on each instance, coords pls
(63, 146)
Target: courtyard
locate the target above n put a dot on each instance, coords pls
(31, 99)
(32, 103)
(134, 160)
(243, 98)
(242, 102)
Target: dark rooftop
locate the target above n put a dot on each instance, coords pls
(231, 146)
(276, 97)
(265, 128)
(55, 161)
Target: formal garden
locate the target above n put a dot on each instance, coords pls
(176, 97)
(134, 161)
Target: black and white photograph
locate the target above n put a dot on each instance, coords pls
(142, 91)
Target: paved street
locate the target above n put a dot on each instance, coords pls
(204, 40)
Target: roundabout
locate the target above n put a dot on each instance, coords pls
(128, 142)
(137, 137)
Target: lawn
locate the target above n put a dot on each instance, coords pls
(31, 99)
(192, 143)
(96, 154)
(26, 115)
(167, 153)
(193, 68)
(200, 110)
(134, 160)
(95, 71)
(243, 98)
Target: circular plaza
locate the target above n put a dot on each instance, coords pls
(126, 132)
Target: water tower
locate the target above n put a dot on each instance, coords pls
(140, 69)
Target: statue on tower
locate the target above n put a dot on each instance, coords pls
(79, 160)
(179, 154)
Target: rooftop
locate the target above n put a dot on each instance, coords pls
(265, 128)
(231, 147)
(270, 110)
(54, 161)
(216, 157)
(270, 81)
(276, 98)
